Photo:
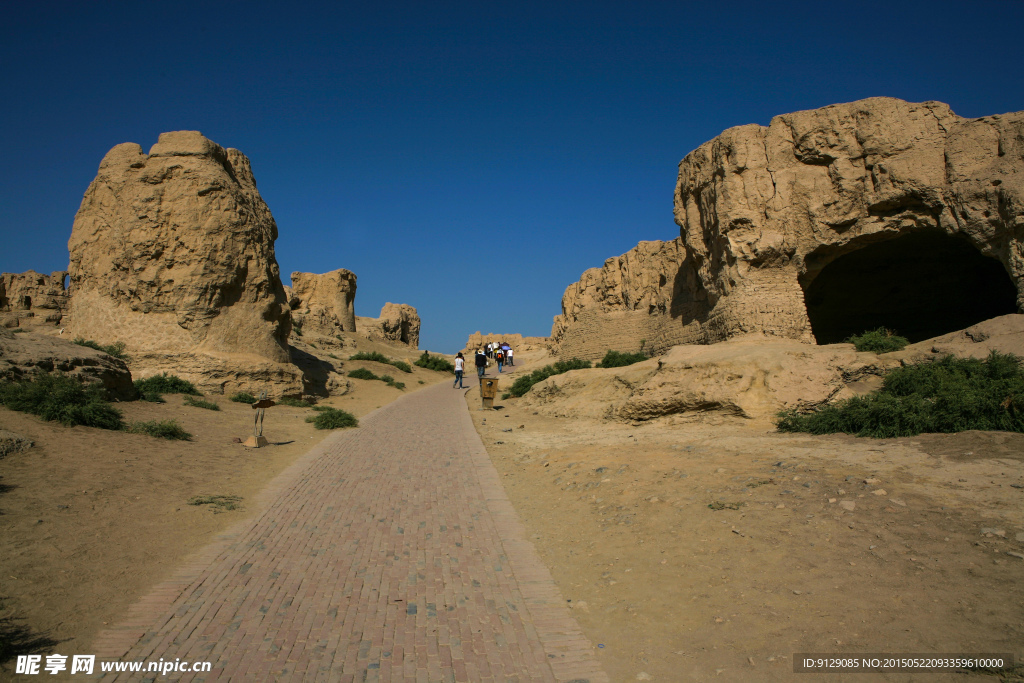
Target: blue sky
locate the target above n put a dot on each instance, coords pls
(468, 158)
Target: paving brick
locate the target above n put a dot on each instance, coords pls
(387, 553)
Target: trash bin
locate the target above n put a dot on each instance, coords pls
(488, 390)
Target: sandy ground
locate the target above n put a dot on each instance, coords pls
(712, 549)
(690, 549)
(90, 519)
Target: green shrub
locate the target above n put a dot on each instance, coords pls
(59, 398)
(19, 330)
(166, 384)
(362, 373)
(381, 358)
(525, 382)
(200, 403)
(162, 429)
(618, 359)
(947, 395)
(434, 363)
(370, 355)
(878, 341)
(152, 397)
(332, 418)
(116, 349)
(295, 402)
(217, 503)
(242, 397)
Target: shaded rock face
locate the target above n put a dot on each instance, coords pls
(172, 253)
(23, 355)
(397, 323)
(772, 219)
(33, 300)
(323, 305)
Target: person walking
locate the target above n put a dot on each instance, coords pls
(508, 356)
(460, 366)
(481, 363)
(499, 358)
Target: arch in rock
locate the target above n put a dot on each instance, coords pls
(920, 285)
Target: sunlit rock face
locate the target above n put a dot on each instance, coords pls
(768, 213)
(172, 253)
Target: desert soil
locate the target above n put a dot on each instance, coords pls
(689, 549)
(710, 548)
(91, 519)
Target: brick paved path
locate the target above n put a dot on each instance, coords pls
(389, 552)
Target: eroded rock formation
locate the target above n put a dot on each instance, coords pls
(32, 300)
(172, 253)
(751, 378)
(23, 355)
(397, 323)
(323, 305)
(823, 224)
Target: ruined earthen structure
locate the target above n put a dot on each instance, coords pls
(32, 300)
(397, 323)
(172, 253)
(517, 341)
(323, 305)
(821, 225)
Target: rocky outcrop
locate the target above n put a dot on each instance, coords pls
(323, 305)
(739, 378)
(752, 378)
(823, 224)
(32, 300)
(398, 323)
(517, 341)
(172, 253)
(23, 355)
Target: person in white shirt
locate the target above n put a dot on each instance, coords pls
(460, 366)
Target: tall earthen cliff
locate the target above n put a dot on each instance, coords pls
(822, 224)
(172, 253)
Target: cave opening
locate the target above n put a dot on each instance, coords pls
(919, 285)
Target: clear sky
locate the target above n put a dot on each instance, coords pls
(468, 158)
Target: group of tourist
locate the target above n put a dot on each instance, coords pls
(500, 352)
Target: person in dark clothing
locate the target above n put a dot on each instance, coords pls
(481, 363)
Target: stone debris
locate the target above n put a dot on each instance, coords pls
(13, 443)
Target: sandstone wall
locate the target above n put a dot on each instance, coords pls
(172, 253)
(764, 210)
(398, 323)
(324, 304)
(33, 300)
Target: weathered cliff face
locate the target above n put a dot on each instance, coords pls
(635, 301)
(324, 305)
(826, 223)
(33, 300)
(398, 323)
(172, 253)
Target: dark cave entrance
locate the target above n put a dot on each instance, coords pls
(920, 285)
